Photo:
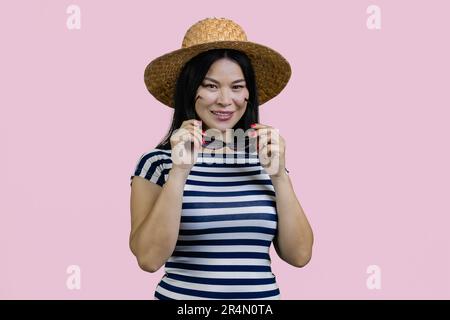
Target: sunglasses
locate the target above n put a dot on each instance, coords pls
(213, 143)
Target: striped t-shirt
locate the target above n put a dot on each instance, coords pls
(228, 222)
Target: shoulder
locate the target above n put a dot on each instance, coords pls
(153, 165)
(156, 155)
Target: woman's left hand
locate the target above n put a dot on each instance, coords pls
(271, 149)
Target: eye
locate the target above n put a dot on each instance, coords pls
(209, 85)
(238, 86)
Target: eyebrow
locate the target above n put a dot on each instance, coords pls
(215, 81)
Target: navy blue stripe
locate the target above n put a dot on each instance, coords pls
(161, 296)
(220, 295)
(228, 165)
(214, 281)
(155, 152)
(225, 174)
(227, 230)
(225, 242)
(227, 183)
(227, 217)
(226, 268)
(222, 255)
(162, 179)
(213, 154)
(228, 193)
(231, 204)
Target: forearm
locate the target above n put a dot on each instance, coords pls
(156, 237)
(294, 236)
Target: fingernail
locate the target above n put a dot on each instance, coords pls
(203, 141)
(203, 132)
(253, 125)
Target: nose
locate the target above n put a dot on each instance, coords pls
(224, 97)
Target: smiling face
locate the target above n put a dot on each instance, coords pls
(221, 97)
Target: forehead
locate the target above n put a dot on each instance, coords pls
(225, 68)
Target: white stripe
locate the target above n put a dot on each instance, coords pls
(230, 160)
(231, 235)
(225, 169)
(220, 262)
(213, 211)
(245, 187)
(220, 274)
(229, 178)
(220, 288)
(226, 199)
(229, 223)
(197, 248)
(240, 153)
(145, 168)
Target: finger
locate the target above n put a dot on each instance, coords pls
(254, 133)
(194, 121)
(196, 135)
(259, 126)
(180, 131)
(198, 131)
(263, 141)
(177, 135)
(197, 123)
(180, 136)
(191, 144)
(191, 123)
(190, 127)
(197, 144)
(270, 163)
(271, 151)
(264, 157)
(263, 131)
(185, 138)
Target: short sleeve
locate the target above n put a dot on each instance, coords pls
(153, 166)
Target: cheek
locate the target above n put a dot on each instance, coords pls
(207, 96)
(240, 99)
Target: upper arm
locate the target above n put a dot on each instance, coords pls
(277, 248)
(143, 196)
(146, 185)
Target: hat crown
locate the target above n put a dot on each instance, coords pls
(213, 29)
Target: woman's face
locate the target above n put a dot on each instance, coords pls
(221, 97)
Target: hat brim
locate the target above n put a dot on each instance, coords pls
(272, 70)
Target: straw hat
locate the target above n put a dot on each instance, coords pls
(272, 70)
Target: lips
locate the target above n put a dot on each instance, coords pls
(222, 112)
(222, 115)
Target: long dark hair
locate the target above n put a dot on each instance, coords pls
(190, 78)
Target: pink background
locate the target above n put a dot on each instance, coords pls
(365, 118)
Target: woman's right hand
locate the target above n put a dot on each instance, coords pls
(186, 143)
